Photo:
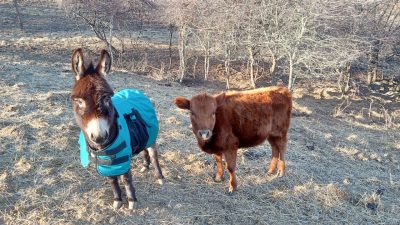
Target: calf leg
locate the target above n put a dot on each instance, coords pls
(275, 156)
(220, 170)
(154, 160)
(129, 188)
(282, 150)
(278, 145)
(116, 191)
(230, 157)
(146, 161)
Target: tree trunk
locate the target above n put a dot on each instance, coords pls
(227, 65)
(251, 63)
(194, 67)
(182, 52)
(273, 66)
(171, 32)
(15, 3)
(110, 38)
(373, 61)
(291, 81)
(206, 56)
(344, 81)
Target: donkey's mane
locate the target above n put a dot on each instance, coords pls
(90, 69)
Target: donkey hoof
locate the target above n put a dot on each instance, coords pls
(144, 169)
(117, 204)
(160, 181)
(131, 205)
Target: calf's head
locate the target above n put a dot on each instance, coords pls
(203, 108)
(91, 97)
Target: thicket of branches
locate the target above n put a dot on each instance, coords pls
(295, 38)
(105, 17)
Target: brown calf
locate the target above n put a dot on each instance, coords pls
(225, 122)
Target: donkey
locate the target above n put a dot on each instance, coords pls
(114, 126)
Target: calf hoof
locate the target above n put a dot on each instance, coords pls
(144, 169)
(281, 173)
(271, 172)
(230, 193)
(218, 179)
(117, 204)
(160, 181)
(232, 190)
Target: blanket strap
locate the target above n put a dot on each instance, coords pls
(110, 152)
(111, 162)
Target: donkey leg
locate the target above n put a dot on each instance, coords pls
(230, 157)
(146, 161)
(220, 169)
(154, 160)
(116, 191)
(129, 188)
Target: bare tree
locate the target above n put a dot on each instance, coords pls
(383, 23)
(298, 38)
(102, 16)
(179, 14)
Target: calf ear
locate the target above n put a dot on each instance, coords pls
(182, 103)
(78, 67)
(104, 65)
(220, 98)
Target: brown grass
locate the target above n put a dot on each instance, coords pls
(336, 166)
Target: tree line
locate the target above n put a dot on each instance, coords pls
(294, 38)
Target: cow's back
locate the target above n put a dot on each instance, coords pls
(255, 115)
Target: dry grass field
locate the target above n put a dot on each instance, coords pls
(343, 166)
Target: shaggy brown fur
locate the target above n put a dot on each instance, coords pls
(228, 121)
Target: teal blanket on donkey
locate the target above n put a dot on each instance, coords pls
(119, 153)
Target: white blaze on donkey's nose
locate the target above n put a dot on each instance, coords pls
(97, 130)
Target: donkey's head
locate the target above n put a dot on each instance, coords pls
(91, 97)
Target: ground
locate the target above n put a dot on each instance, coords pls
(342, 162)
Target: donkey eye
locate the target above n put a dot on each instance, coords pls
(107, 100)
(80, 102)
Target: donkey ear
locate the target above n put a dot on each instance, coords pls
(182, 103)
(220, 98)
(78, 67)
(104, 65)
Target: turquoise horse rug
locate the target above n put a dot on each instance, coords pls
(137, 130)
